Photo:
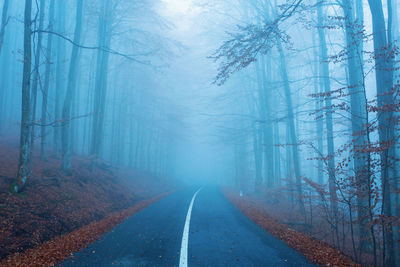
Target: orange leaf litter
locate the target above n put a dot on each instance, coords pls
(60, 248)
(314, 250)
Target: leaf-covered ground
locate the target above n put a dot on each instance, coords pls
(54, 204)
(315, 250)
(60, 248)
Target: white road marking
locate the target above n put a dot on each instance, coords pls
(183, 261)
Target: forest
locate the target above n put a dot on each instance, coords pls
(290, 107)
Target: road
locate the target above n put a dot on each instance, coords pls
(217, 234)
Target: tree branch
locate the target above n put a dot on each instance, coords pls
(105, 49)
(250, 40)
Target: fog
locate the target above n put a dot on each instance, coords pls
(291, 103)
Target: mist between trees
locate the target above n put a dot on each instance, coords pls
(295, 102)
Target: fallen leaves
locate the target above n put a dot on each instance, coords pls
(60, 248)
(315, 250)
(54, 204)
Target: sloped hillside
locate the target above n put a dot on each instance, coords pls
(53, 203)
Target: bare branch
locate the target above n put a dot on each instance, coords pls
(60, 122)
(105, 49)
(250, 40)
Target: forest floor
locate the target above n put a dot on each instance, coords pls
(313, 249)
(54, 204)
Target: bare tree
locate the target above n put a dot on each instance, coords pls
(4, 22)
(24, 148)
(72, 73)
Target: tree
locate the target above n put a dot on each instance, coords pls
(104, 40)
(243, 49)
(291, 125)
(47, 80)
(359, 121)
(265, 107)
(60, 72)
(384, 86)
(72, 73)
(36, 75)
(24, 147)
(318, 107)
(326, 85)
(4, 21)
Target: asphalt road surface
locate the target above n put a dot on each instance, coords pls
(188, 229)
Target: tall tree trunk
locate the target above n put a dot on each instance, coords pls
(138, 146)
(267, 125)
(384, 86)
(291, 125)
(131, 137)
(277, 155)
(87, 123)
(36, 76)
(104, 40)
(121, 133)
(319, 121)
(324, 71)
(395, 185)
(75, 107)
(257, 145)
(114, 129)
(72, 73)
(22, 174)
(4, 21)
(289, 164)
(47, 81)
(257, 157)
(6, 70)
(359, 122)
(60, 74)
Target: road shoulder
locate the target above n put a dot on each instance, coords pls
(314, 250)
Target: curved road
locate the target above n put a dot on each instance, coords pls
(218, 235)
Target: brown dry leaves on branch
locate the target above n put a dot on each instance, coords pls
(316, 251)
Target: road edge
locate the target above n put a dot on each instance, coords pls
(314, 250)
(62, 247)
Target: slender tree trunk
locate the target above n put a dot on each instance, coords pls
(6, 70)
(395, 197)
(291, 125)
(137, 147)
(257, 157)
(289, 164)
(104, 40)
(131, 137)
(47, 81)
(72, 73)
(22, 174)
(358, 109)
(89, 107)
(384, 86)
(60, 74)
(392, 179)
(121, 133)
(36, 77)
(75, 106)
(324, 71)
(319, 121)
(257, 146)
(4, 21)
(267, 125)
(114, 122)
(277, 155)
